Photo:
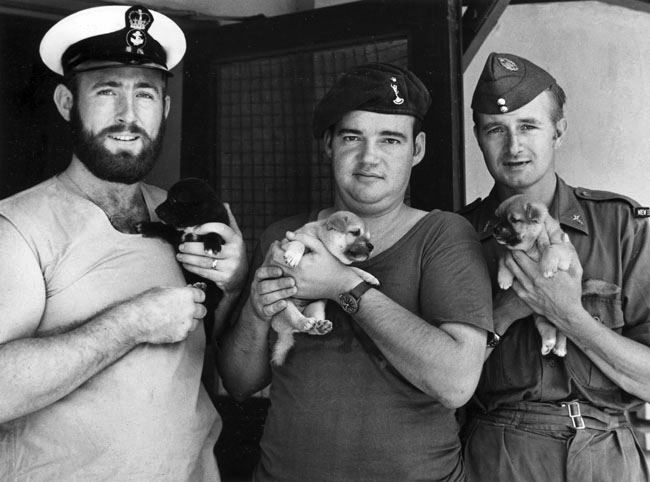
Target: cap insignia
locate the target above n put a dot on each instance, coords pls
(139, 20)
(397, 100)
(508, 64)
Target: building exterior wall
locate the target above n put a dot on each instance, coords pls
(600, 54)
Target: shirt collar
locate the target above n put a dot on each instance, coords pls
(567, 209)
(485, 214)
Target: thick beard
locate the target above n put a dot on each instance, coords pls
(121, 167)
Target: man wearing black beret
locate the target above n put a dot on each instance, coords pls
(100, 352)
(375, 398)
(557, 418)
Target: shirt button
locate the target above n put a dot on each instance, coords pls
(551, 362)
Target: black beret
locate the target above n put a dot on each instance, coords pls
(378, 87)
(507, 83)
(113, 35)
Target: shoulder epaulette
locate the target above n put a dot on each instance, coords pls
(470, 207)
(598, 196)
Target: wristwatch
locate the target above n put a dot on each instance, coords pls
(349, 301)
(493, 339)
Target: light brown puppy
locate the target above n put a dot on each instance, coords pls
(344, 235)
(526, 225)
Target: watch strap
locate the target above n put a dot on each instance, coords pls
(349, 300)
(360, 289)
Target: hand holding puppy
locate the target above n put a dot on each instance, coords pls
(526, 226)
(270, 288)
(227, 268)
(558, 299)
(345, 237)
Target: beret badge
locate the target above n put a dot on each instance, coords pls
(508, 64)
(138, 20)
(397, 100)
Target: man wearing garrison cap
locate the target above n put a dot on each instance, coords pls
(101, 355)
(539, 417)
(375, 398)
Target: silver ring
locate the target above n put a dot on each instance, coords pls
(214, 263)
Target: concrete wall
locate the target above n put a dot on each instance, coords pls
(600, 55)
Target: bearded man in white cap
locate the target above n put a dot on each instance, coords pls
(101, 359)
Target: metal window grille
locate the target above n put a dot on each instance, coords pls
(269, 166)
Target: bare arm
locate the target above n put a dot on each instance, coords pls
(243, 357)
(623, 360)
(39, 370)
(444, 362)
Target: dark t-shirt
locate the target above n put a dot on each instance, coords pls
(338, 412)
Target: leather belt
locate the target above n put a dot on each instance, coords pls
(572, 413)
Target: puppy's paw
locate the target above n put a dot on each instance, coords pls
(201, 285)
(548, 346)
(290, 260)
(212, 243)
(505, 284)
(504, 277)
(321, 327)
(307, 324)
(548, 333)
(560, 345)
(365, 276)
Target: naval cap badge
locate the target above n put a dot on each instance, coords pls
(138, 20)
(397, 100)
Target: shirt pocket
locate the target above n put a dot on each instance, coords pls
(608, 310)
(516, 364)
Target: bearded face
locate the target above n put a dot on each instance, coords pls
(121, 166)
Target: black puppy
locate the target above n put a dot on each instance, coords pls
(190, 202)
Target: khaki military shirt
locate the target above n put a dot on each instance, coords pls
(612, 239)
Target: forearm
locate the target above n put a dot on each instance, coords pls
(444, 363)
(243, 355)
(623, 360)
(37, 372)
(223, 311)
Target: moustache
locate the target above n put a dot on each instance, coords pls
(132, 129)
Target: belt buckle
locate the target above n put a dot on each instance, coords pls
(574, 412)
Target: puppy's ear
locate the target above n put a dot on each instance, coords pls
(535, 212)
(337, 222)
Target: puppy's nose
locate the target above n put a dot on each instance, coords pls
(370, 246)
(498, 230)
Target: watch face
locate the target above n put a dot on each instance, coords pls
(348, 303)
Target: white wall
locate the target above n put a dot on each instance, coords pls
(600, 55)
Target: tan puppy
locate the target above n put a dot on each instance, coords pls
(344, 235)
(526, 225)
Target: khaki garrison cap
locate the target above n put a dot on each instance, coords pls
(507, 83)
